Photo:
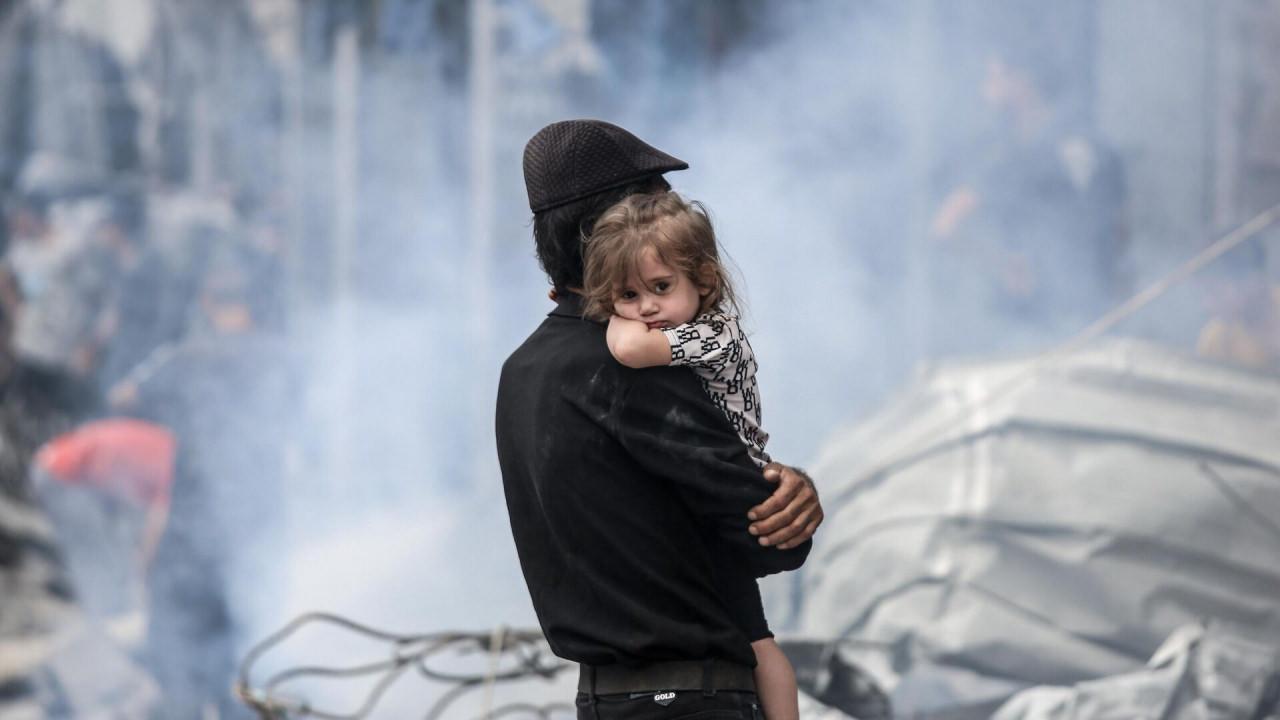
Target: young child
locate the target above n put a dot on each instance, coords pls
(652, 270)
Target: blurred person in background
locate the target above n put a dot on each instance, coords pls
(261, 224)
(38, 604)
(143, 312)
(1244, 308)
(105, 485)
(33, 247)
(35, 405)
(1037, 217)
(225, 391)
(62, 282)
(42, 393)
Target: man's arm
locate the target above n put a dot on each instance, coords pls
(633, 344)
(792, 513)
(669, 425)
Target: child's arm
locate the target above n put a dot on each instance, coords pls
(775, 682)
(633, 344)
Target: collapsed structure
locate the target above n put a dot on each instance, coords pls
(1051, 521)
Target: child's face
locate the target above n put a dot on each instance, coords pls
(657, 294)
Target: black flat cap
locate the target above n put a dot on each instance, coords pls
(571, 159)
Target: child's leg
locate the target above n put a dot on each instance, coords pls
(775, 682)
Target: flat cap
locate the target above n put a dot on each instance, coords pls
(572, 159)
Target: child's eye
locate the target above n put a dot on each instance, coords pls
(662, 287)
(627, 295)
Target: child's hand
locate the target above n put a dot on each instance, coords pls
(624, 325)
(633, 344)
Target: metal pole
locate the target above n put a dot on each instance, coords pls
(346, 89)
(919, 301)
(480, 224)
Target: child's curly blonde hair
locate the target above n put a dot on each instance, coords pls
(679, 231)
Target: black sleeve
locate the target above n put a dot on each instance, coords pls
(741, 595)
(668, 424)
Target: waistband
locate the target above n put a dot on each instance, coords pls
(705, 675)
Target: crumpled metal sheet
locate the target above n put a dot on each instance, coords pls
(830, 687)
(1021, 522)
(813, 709)
(1199, 673)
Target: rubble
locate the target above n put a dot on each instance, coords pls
(1024, 522)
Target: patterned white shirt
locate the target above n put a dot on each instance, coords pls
(715, 348)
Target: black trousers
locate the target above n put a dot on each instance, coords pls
(720, 705)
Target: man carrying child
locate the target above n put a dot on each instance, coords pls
(640, 520)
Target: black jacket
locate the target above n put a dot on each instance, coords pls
(628, 494)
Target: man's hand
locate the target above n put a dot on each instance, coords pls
(791, 514)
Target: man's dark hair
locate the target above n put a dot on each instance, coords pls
(558, 232)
